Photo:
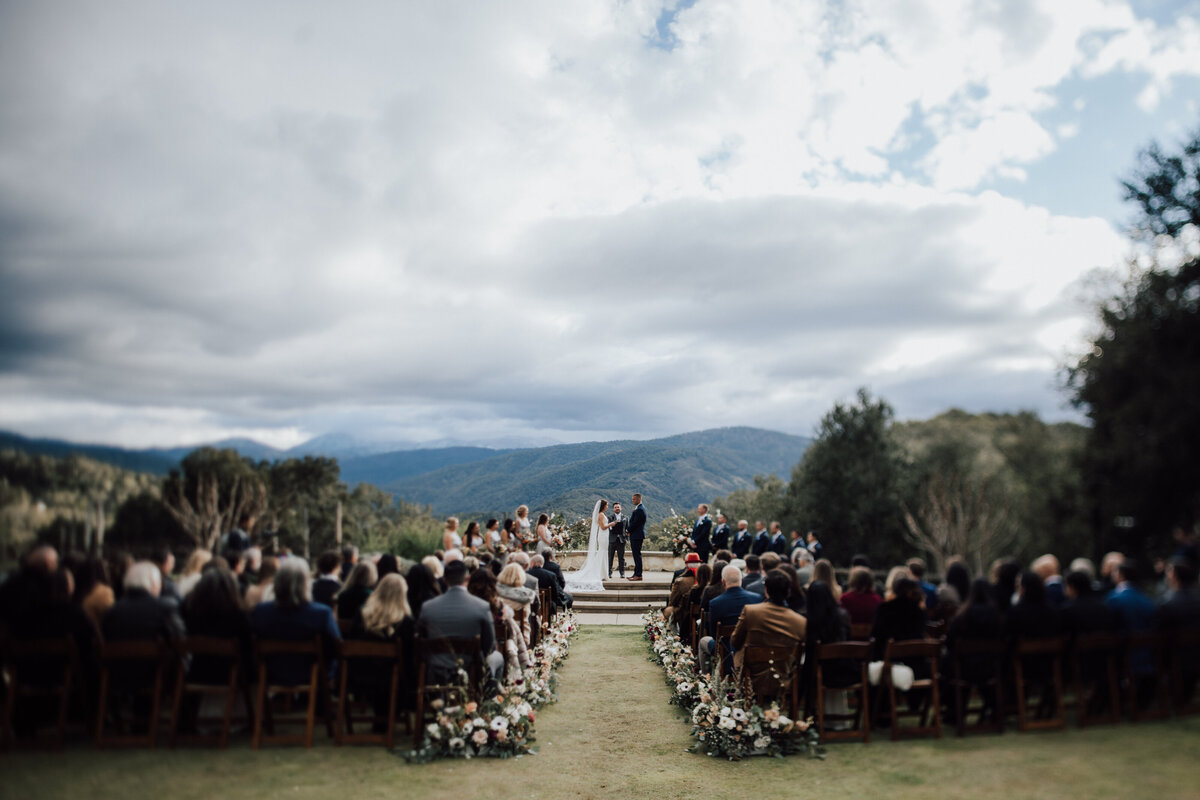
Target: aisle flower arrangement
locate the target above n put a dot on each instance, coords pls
(501, 725)
(679, 532)
(724, 722)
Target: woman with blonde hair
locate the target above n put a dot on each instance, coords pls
(514, 594)
(451, 540)
(191, 570)
(823, 571)
(435, 566)
(523, 525)
(895, 574)
(386, 617)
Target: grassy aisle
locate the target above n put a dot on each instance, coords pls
(613, 735)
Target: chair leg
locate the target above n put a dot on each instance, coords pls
(176, 706)
(102, 702)
(342, 714)
(259, 708)
(152, 723)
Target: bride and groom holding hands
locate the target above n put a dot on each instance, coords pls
(610, 531)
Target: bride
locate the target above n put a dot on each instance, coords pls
(590, 577)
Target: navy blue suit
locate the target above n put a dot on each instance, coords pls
(1137, 613)
(726, 608)
(700, 534)
(741, 543)
(272, 621)
(635, 529)
(779, 544)
(762, 543)
(720, 537)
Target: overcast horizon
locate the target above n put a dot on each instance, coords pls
(531, 223)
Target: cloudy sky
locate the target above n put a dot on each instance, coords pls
(533, 222)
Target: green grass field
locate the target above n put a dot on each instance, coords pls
(613, 735)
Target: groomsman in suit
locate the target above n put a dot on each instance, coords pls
(701, 531)
(741, 540)
(635, 529)
(778, 542)
(720, 537)
(762, 540)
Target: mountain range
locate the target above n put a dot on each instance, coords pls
(675, 472)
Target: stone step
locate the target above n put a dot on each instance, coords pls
(614, 607)
(625, 595)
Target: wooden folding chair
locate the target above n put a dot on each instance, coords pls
(1026, 654)
(986, 651)
(1159, 704)
(117, 659)
(785, 661)
(547, 607)
(860, 631)
(267, 649)
(693, 622)
(722, 647)
(348, 653)
(43, 657)
(1185, 666)
(914, 650)
(1094, 658)
(468, 653)
(209, 649)
(861, 717)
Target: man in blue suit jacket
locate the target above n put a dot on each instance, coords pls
(1137, 613)
(741, 540)
(725, 609)
(636, 531)
(762, 539)
(778, 542)
(701, 531)
(293, 616)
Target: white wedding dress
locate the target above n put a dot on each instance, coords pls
(590, 577)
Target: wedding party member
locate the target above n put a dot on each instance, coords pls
(523, 527)
(771, 624)
(861, 601)
(93, 592)
(458, 614)
(514, 593)
(636, 531)
(724, 609)
(265, 588)
(355, 591)
(616, 541)
(508, 536)
(327, 584)
(191, 570)
(700, 533)
(721, 533)
(778, 543)
(451, 540)
(544, 545)
(349, 559)
(482, 584)
(472, 539)
(742, 540)
(491, 535)
(387, 617)
(422, 587)
(294, 616)
(762, 539)
(813, 543)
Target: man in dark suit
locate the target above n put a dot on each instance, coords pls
(327, 585)
(550, 565)
(762, 539)
(294, 616)
(753, 580)
(721, 533)
(724, 609)
(616, 541)
(458, 614)
(164, 559)
(140, 615)
(778, 541)
(1085, 610)
(700, 533)
(547, 580)
(636, 531)
(741, 540)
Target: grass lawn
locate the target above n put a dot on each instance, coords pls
(613, 735)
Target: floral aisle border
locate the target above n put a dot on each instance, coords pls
(501, 726)
(723, 722)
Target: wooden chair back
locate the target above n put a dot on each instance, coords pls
(1049, 716)
(153, 657)
(1097, 696)
(907, 651)
(991, 652)
(783, 661)
(469, 654)
(350, 652)
(207, 647)
(1184, 650)
(860, 631)
(22, 656)
(860, 654)
(264, 718)
(1157, 704)
(722, 648)
(693, 626)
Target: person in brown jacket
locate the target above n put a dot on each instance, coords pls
(677, 609)
(770, 624)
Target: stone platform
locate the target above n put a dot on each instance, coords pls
(652, 560)
(623, 602)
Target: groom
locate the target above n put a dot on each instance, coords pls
(636, 530)
(616, 540)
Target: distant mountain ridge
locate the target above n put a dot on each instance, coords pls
(672, 472)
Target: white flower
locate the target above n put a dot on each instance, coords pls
(434, 731)
(499, 724)
(480, 738)
(725, 711)
(739, 715)
(784, 721)
(762, 741)
(727, 723)
(479, 722)
(457, 743)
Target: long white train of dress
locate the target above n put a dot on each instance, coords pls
(590, 577)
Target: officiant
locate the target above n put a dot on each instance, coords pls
(616, 540)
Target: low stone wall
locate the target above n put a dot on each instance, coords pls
(652, 560)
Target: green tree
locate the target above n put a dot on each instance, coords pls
(1139, 382)
(211, 490)
(848, 484)
(766, 501)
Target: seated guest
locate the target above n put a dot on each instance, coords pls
(828, 623)
(916, 568)
(356, 590)
(752, 582)
(265, 588)
(1181, 612)
(293, 616)
(1108, 571)
(1138, 614)
(796, 598)
(140, 614)
(772, 624)
(164, 559)
(948, 603)
(823, 571)
(703, 579)
(250, 575)
(191, 570)
(861, 601)
(724, 609)
(769, 561)
(386, 617)
(959, 577)
(548, 580)
(457, 614)
(978, 617)
(422, 586)
(1031, 617)
(715, 585)
(803, 561)
(513, 593)
(550, 564)
(900, 616)
(1047, 569)
(531, 583)
(93, 592)
(1085, 610)
(1005, 574)
(327, 584)
(387, 565)
(680, 589)
(349, 560)
(214, 608)
(482, 584)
